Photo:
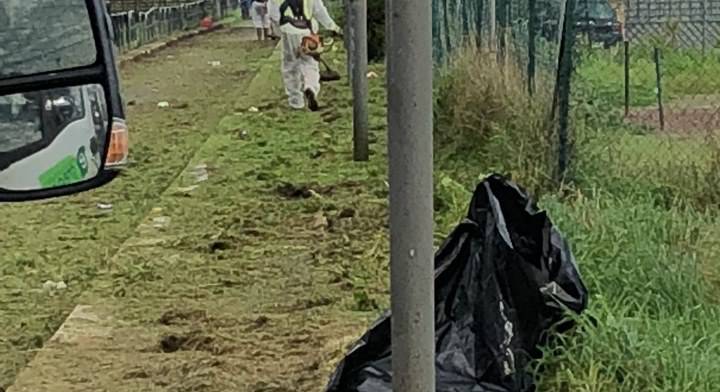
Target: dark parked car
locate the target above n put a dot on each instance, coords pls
(595, 19)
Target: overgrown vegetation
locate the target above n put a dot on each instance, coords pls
(486, 119)
(640, 216)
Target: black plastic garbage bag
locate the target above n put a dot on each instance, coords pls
(503, 278)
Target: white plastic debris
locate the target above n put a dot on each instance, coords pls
(372, 75)
(103, 206)
(214, 63)
(253, 109)
(187, 189)
(164, 104)
(51, 286)
(200, 172)
(161, 221)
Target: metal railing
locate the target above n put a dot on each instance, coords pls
(136, 23)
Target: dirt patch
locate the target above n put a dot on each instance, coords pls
(303, 191)
(192, 341)
(183, 317)
(680, 120)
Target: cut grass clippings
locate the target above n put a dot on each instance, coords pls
(72, 239)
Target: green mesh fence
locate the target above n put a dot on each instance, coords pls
(525, 28)
(533, 37)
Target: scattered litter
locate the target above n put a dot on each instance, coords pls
(51, 286)
(243, 134)
(372, 75)
(102, 206)
(161, 222)
(200, 172)
(214, 63)
(170, 57)
(253, 109)
(156, 210)
(187, 189)
(320, 221)
(163, 104)
(504, 280)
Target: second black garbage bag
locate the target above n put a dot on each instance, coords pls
(503, 278)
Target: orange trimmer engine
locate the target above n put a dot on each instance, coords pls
(311, 45)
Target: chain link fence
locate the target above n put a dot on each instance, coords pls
(646, 111)
(139, 22)
(671, 65)
(529, 43)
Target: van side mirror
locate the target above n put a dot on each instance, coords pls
(61, 115)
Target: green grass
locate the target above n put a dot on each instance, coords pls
(641, 217)
(684, 73)
(71, 239)
(657, 321)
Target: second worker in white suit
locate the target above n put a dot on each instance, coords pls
(301, 73)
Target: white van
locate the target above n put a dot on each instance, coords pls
(63, 130)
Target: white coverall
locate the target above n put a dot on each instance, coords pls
(300, 72)
(259, 14)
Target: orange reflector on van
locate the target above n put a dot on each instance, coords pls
(118, 151)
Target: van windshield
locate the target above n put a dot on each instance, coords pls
(38, 36)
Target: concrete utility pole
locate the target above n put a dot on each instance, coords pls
(359, 80)
(410, 145)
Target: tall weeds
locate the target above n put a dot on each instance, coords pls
(484, 113)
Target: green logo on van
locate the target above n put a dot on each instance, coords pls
(69, 170)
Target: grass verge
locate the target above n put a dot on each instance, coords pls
(641, 220)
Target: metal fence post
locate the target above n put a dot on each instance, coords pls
(704, 28)
(627, 77)
(658, 88)
(586, 24)
(447, 33)
(532, 33)
(479, 25)
(492, 8)
(410, 147)
(360, 81)
(562, 88)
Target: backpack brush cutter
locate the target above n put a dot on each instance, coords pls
(313, 46)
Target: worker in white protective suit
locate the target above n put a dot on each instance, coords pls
(301, 73)
(258, 12)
